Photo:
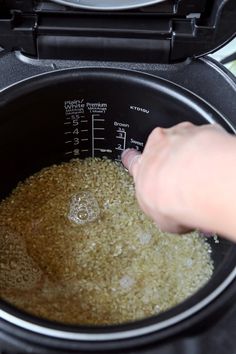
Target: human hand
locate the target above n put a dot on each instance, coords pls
(173, 174)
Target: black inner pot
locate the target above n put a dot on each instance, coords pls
(54, 117)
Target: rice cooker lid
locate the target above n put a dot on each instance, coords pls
(157, 31)
(107, 5)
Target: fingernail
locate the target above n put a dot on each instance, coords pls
(132, 161)
(129, 158)
(124, 152)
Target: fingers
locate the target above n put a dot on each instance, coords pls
(157, 135)
(181, 128)
(130, 159)
(216, 126)
(161, 136)
(164, 163)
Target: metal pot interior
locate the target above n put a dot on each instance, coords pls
(33, 119)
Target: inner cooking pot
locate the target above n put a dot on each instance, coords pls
(99, 112)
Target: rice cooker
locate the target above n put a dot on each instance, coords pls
(83, 78)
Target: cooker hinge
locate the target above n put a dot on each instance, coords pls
(193, 37)
(17, 32)
(86, 36)
(107, 37)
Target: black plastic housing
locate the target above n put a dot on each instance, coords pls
(168, 32)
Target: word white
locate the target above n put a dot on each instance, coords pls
(72, 105)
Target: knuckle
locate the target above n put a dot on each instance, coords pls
(185, 124)
(158, 131)
(156, 135)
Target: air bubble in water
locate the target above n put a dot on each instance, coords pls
(83, 208)
(157, 309)
(144, 238)
(189, 262)
(17, 269)
(117, 251)
(107, 204)
(126, 282)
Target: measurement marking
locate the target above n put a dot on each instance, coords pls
(103, 150)
(67, 123)
(120, 146)
(92, 135)
(84, 121)
(68, 152)
(124, 140)
(92, 122)
(99, 128)
(99, 138)
(98, 119)
(68, 141)
(67, 132)
(84, 130)
(75, 111)
(84, 139)
(85, 150)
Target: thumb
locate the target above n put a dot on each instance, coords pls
(130, 159)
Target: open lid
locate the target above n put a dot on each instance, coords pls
(167, 31)
(108, 5)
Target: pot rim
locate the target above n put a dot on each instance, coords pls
(121, 334)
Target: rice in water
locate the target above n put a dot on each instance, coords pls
(76, 248)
